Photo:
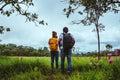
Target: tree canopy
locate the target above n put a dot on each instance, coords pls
(8, 7)
(108, 47)
(92, 10)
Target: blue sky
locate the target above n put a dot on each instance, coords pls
(27, 34)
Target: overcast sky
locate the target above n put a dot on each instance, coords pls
(27, 34)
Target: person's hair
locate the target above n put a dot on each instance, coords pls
(54, 34)
(65, 29)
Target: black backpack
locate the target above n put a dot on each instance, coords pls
(68, 42)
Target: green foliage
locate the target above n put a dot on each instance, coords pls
(2, 29)
(93, 10)
(38, 68)
(14, 50)
(108, 47)
(8, 7)
(90, 7)
(11, 67)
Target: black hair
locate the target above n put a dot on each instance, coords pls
(54, 34)
(65, 29)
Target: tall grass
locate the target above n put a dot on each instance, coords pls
(39, 68)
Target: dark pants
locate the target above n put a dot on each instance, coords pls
(69, 61)
(54, 56)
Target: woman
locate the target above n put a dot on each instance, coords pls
(53, 45)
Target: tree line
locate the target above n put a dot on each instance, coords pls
(14, 50)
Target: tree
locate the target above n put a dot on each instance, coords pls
(93, 10)
(108, 47)
(8, 7)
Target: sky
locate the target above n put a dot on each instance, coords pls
(28, 34)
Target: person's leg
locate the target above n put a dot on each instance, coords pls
(52, 60)
(56, 59)
(69, 61)
(62, 60)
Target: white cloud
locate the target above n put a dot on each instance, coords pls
(28, 34)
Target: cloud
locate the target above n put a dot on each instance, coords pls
(23, 33)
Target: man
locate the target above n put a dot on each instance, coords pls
(66, 42)
(53, 45)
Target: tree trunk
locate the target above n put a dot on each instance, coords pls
(97, 26)
(98, 37)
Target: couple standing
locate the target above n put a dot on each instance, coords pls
(65, 42)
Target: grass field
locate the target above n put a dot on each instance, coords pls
(38, 68)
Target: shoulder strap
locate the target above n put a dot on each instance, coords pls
(66, 33)
(69, 34)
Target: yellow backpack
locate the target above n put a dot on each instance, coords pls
(53, 44)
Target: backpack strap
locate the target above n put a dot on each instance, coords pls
(66, 33)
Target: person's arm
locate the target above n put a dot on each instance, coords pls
(49, 41)
(60, 40)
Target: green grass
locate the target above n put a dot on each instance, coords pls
(38, 68)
